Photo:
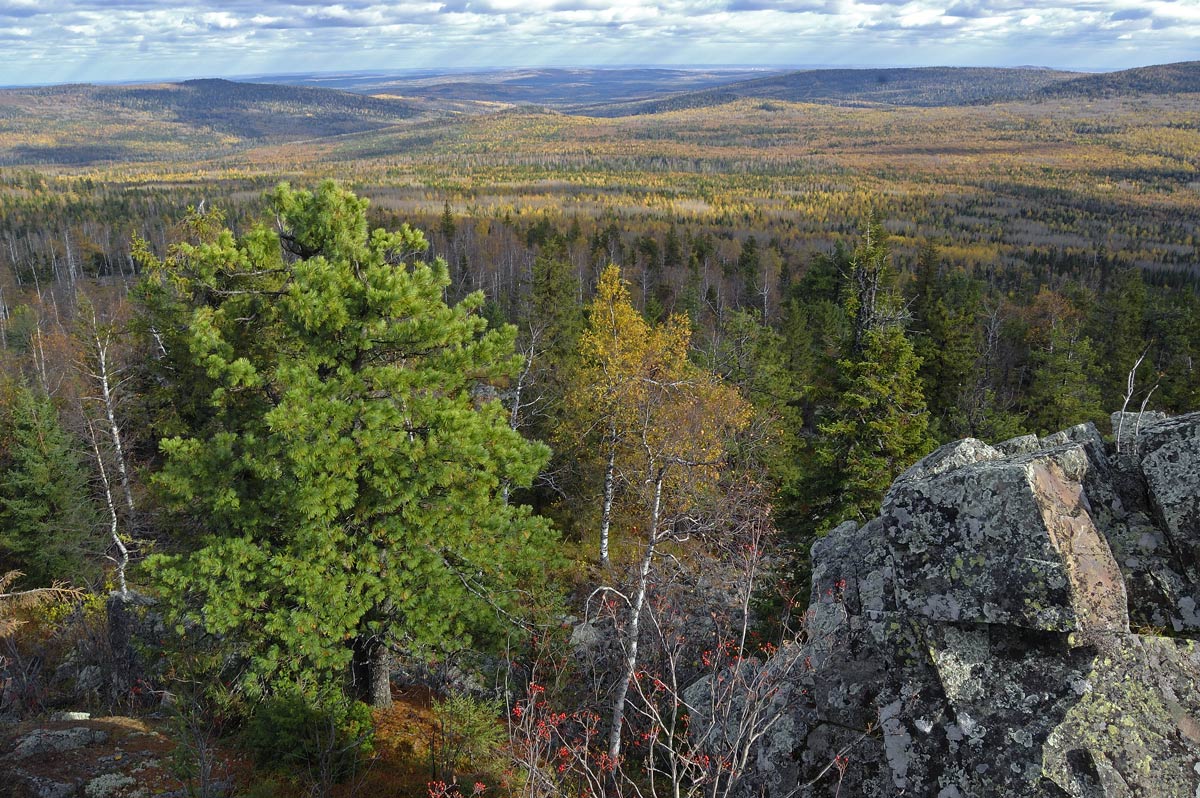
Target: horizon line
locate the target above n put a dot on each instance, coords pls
(433, 71)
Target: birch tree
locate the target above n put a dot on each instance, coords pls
(663, 425)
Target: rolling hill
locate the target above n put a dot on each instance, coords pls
(75, 125)
(556, 87)
(1178, 78)
(925, 86)
(80, 124)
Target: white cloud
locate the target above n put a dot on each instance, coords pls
(129, 39)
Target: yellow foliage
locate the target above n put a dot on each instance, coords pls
(14, 602)
(639, 398)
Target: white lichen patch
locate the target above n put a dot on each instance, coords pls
(958, 660)
(108, 785)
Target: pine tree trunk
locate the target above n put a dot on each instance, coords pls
(371, 672)
(381, 677)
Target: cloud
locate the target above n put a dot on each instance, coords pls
(965, 11)
(787, 6)
(129, 39)
(1130, 14)
(19, 9)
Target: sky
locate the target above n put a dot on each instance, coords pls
(57, 41)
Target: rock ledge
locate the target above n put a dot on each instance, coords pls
(1018, 621)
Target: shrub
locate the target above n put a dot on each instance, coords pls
(469, 737)
(323, 741)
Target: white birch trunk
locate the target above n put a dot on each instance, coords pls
(609, 489)
(635, 617)
(110, 412)
(122, 558)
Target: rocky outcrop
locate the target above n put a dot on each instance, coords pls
(1018, 621)
(72, 755)
(41, 742)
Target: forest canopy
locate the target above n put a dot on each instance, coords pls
(327, 451)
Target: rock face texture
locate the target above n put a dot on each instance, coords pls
(1018, 621)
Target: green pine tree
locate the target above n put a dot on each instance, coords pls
(945, 310)
(1119, 325)
(349, 486)
(1063, 388)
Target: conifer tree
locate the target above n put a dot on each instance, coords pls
(48, 522)
(945, 308)
(348, 486)
(1175, 333)
(1119, 332)
(1063, 389)
(877, 424)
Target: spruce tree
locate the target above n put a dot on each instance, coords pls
(945, 310)
(877, 423)
(1118, 330)
(1063, 388)
(48, 522)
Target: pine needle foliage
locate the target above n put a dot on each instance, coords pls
(348, 482)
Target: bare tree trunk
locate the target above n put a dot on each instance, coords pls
(40, 358)
(12, 254)
(609, 489)
(104, 377)
(635, 617)
(122, 558)
(70, 259)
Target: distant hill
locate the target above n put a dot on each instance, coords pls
(201, 113)
(86, 124)
(258, 111)
(925, 86)
(543, 86)
(1178, 78)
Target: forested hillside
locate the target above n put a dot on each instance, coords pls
(1151, 80)
(927, 86)
(547, 86)
(82, 124)
(409, 452)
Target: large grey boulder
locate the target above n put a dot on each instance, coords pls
(952, 456)
(975, 639)
(1170, 462)
(1005, 542)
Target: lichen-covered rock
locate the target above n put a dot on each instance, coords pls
(55, 741)
(974, 640)
(18, 784)
(1134, 729)
(1022, 444)
(954, 455)
(1005, 541)
(1170, 462)
(108, 785)
(1084, 434)
(1126, 426)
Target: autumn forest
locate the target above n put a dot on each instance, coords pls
(398, 437)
